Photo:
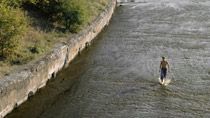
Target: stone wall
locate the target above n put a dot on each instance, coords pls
(18, 86)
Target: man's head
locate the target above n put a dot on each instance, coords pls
(163, 58)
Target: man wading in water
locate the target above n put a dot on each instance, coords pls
(163, 68)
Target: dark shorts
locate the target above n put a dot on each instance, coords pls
(163, 73)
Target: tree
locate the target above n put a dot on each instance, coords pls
(12, 27)
(65, 13)
(73, 14)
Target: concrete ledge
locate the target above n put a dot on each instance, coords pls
(18, 86)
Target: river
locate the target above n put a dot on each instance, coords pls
(117, 76)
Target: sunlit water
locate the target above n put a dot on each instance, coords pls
(117, 76)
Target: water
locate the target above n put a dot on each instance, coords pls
(117, 76)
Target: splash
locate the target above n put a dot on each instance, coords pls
(165, 82)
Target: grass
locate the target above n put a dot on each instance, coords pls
(41, 37)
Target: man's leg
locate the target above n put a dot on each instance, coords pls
(164, 73)
(161, 75)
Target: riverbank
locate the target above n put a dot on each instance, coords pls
(16, 87)
(39, 31)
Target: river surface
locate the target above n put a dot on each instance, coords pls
(117, 77)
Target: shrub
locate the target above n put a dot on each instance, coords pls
(67, 14)
(12, 27)
(73, 14)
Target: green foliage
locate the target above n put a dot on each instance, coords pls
(65, 13)
(37, 48)
(12, 27)
(20, 58)
(73, 14)
(15, 3)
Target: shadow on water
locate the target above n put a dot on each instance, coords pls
(56, 88)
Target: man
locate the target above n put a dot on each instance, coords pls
(163, 68)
